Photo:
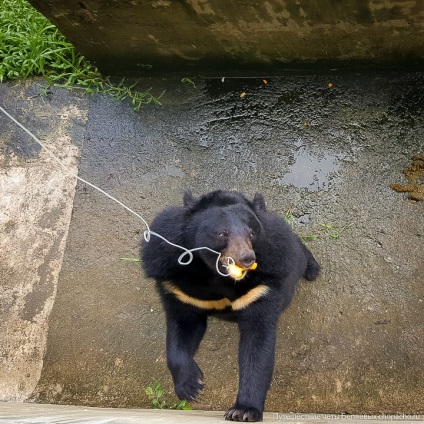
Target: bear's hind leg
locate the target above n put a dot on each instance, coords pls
(184, 333)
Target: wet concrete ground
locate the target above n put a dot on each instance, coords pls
(324, 148)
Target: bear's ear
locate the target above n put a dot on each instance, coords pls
(188, 198)
(259, 202)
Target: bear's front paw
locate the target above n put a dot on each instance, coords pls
(241, 413)
(190, 385)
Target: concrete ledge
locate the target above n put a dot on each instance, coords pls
(143, 37)
(34, 414)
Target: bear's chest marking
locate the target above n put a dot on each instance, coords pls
(219, 304)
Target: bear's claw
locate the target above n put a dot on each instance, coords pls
(191, 387)
(243, 414)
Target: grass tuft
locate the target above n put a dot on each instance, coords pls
(31, 46)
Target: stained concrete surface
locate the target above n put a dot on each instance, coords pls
(35, 211)
(143, 37)
(324, 147)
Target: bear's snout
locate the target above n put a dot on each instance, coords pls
(241, 251)
(247, 259)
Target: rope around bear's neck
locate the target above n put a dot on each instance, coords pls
(148, 232)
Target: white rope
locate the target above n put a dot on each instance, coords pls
(148, 232)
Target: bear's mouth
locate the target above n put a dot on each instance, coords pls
(234, 270)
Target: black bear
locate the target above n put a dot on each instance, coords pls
(243, 230)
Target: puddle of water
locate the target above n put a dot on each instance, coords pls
(313, 170)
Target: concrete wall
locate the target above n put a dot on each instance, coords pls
(125, 36)
(35, 211)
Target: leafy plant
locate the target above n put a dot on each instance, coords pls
(31, 46)
(155, 394)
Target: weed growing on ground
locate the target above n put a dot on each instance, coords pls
(290, 219)
(31, 46)
(188, 81)
(335, 231)
(155, 394)
(293, 222)
(309, 237)
(131, 259)
(331, 230)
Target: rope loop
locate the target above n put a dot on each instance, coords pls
(190, 257)
(146, 235)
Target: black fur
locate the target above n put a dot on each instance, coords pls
(226, 222)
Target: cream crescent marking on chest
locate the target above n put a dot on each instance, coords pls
(219, 304)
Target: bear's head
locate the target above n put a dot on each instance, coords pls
(226, 222)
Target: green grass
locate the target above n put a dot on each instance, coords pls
(188, 81)
(335, 231)
(332, 231)
(131, 259)
(31, 46)
(293, 222)
(290, 219)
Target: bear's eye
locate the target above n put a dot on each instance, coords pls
(251, 234)
(223, 234)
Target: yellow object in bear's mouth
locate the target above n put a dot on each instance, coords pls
(237, 272)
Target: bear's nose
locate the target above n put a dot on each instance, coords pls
(247, 259)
